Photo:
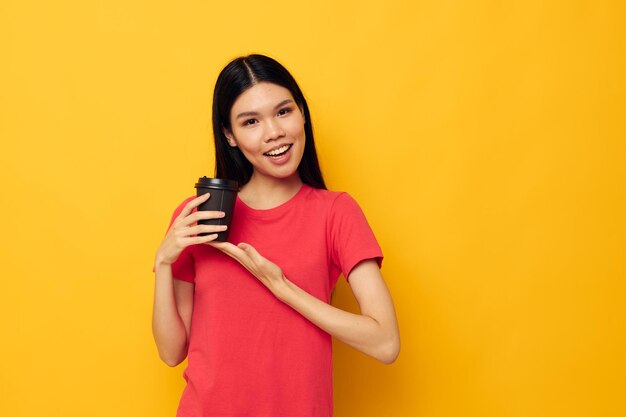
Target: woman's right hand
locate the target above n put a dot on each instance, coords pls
(184, 230)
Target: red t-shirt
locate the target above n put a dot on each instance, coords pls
(249, 353)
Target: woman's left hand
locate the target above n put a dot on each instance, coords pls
(265, 270)
(374, 331)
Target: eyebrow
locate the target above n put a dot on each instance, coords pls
(253, 113)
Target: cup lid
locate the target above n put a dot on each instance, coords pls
(206, 182)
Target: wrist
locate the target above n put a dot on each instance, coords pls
(281, 288)
(160, 262)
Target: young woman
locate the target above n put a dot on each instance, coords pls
(253, 317)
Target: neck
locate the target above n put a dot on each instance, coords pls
(264, 193)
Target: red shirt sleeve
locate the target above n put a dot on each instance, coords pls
(183, 268)
(351, 237)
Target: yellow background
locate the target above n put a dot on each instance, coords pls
(484, 140)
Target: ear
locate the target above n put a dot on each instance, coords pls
(302, 113)
(229, 137)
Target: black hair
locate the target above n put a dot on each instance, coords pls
(239, 75)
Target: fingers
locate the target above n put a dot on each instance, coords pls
(252, 260)
(193, 204)
(187, 241)
(251, 252)
(201, 215)
(223, 246)
(230, 250)
(236, 253)
(256, 263)
(205, 228)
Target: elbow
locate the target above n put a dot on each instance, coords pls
(389, 352)
(172, 360)
(170, 352)
(389, 357)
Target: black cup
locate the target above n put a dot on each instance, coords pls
(223, 196)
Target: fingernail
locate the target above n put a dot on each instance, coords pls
(222, 214)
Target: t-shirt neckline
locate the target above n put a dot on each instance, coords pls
(274, 211)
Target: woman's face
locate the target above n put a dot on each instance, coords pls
(268, 127)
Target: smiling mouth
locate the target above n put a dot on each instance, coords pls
(278, 152)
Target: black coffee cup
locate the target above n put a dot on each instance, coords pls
(223, 196)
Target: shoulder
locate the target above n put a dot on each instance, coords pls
(334, 200)
(337, 205)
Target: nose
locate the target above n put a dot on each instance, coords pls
(273, 130)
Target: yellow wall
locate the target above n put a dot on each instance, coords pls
(484, 140)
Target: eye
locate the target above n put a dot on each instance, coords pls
(284, 111)
(249, 122)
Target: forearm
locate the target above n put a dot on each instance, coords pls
(168, 328)
(373, 332)
(378, 339)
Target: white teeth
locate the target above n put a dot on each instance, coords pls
(278, 151)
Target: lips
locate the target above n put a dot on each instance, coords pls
(278, 151)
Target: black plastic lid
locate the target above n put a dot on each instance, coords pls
(219, 183)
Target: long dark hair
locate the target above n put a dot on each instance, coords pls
(239, 75)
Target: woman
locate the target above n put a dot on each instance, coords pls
(254, 318)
